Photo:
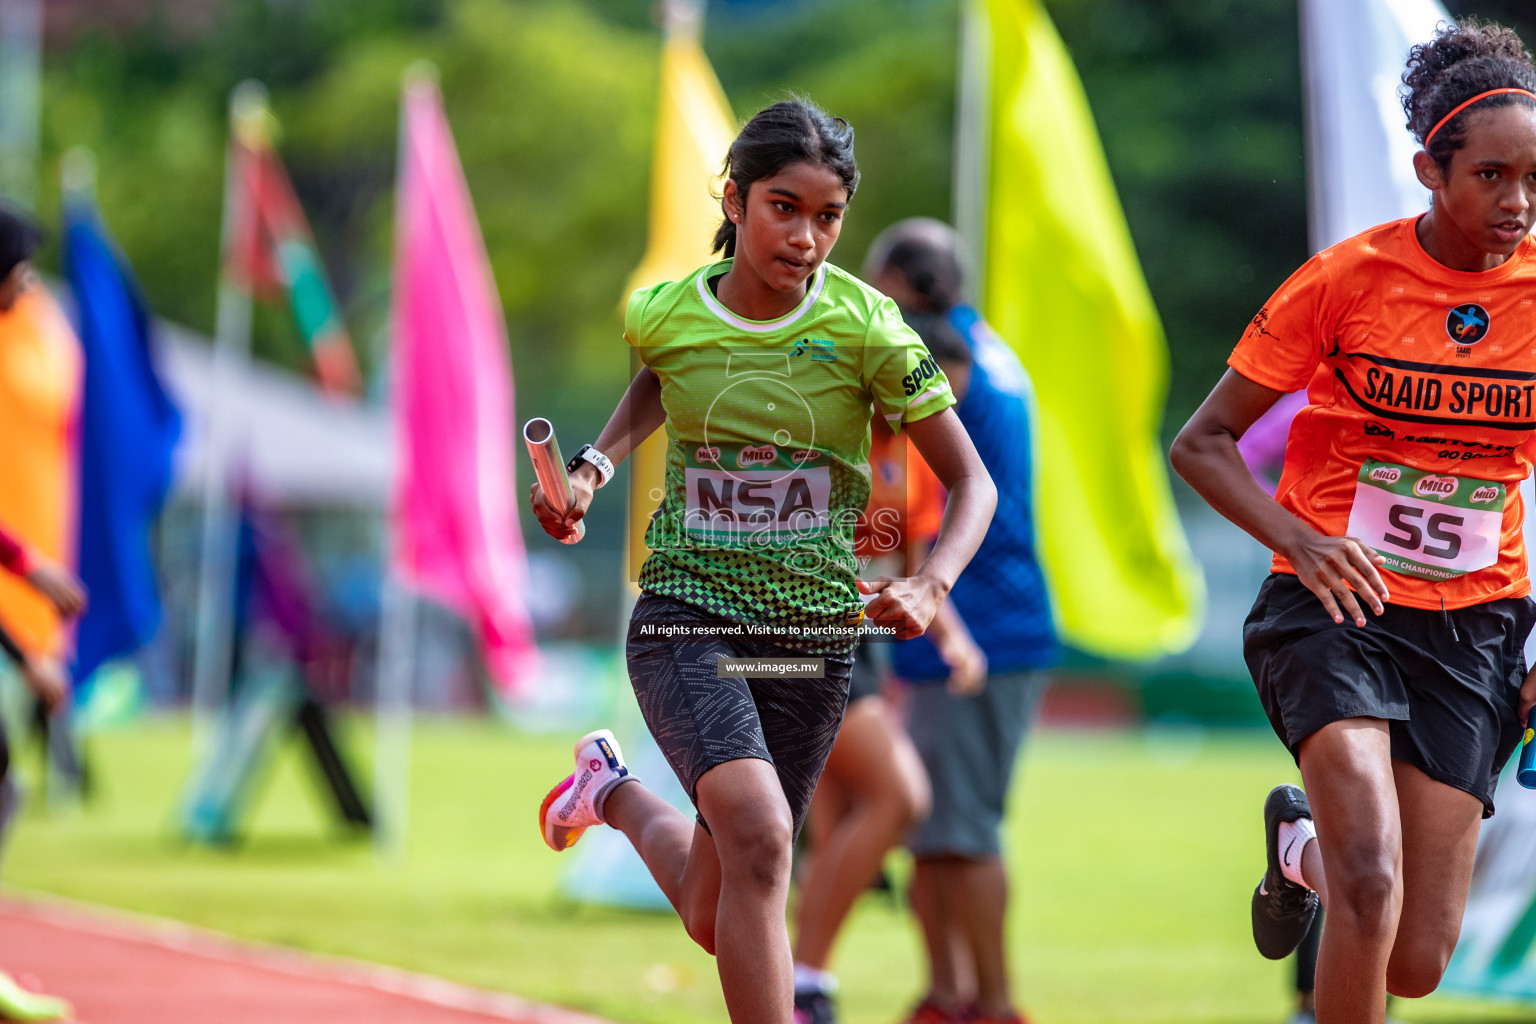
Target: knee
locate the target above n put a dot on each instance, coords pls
(699, 922)
(901, 806)
(914, 802)
(1418, 963)
(1363, 888)
(1417, 975)
(755, 848)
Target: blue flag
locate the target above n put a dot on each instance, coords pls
(128, 431)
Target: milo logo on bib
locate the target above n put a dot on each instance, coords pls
(760, 495)
(1431, 525)
(1440, 487)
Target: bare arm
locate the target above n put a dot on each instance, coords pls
(1205, 454)
(911, 604)
(638, 415)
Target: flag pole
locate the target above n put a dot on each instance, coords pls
(231, 354)
(968, 191)
(1312, 127)
(393, 712)
(398, 616)
(21, 43)
(681, 21)
(682, 17)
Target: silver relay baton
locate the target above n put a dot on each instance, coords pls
(549, 468)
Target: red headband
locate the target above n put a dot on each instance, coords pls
(1468, 103)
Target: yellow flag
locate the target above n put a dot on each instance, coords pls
(1062, 284)
(694, 129)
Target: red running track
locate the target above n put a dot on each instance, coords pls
(121, 969)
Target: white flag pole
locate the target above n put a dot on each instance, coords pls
(231, 355)
(398, 617)
(393, 713)
(968, 190)
(21, 43)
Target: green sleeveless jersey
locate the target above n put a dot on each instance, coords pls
(768, 444)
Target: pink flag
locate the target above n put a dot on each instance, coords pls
(455, 532)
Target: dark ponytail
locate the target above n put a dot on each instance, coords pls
(794, 131)
(1459, 63)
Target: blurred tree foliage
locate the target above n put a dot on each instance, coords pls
(552, 102)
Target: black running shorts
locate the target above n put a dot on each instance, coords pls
(700, 720)
(865, 680)
(1447, 682)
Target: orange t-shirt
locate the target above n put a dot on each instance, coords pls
(40, 374)
(906, 501)
(1421, 390)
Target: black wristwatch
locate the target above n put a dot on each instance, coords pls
(586, 453)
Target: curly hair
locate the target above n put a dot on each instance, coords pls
(793, 131)
(1461, 62)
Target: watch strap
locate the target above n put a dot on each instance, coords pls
(587, 453)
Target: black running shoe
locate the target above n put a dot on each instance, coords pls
(814, 1008)
(1282, 910)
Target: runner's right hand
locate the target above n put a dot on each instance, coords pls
(558, 526)
(1337, 569)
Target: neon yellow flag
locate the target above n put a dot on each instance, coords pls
(694, 129)
(1063, 285)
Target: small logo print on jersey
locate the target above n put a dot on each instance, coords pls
(763, 455)
(706, 454)
(1484, 494)
(805, 455)
(1260, 322)
(1385, 475)
(821, 350)
(1436, 487)
(595, 765)
(912, 383)
(1374, 429)
(1467, 324)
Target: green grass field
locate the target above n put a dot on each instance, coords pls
(1133, 855)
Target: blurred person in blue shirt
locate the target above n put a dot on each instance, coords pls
(969, 740)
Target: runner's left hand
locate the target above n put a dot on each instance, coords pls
(908, 604)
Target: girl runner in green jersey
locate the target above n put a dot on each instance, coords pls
(763, 368)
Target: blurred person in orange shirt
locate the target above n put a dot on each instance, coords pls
(41, 673)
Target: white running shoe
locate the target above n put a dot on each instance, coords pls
(572, 806)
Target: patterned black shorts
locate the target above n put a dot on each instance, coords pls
(700, 720)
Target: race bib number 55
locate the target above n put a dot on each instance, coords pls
(1431, 525)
